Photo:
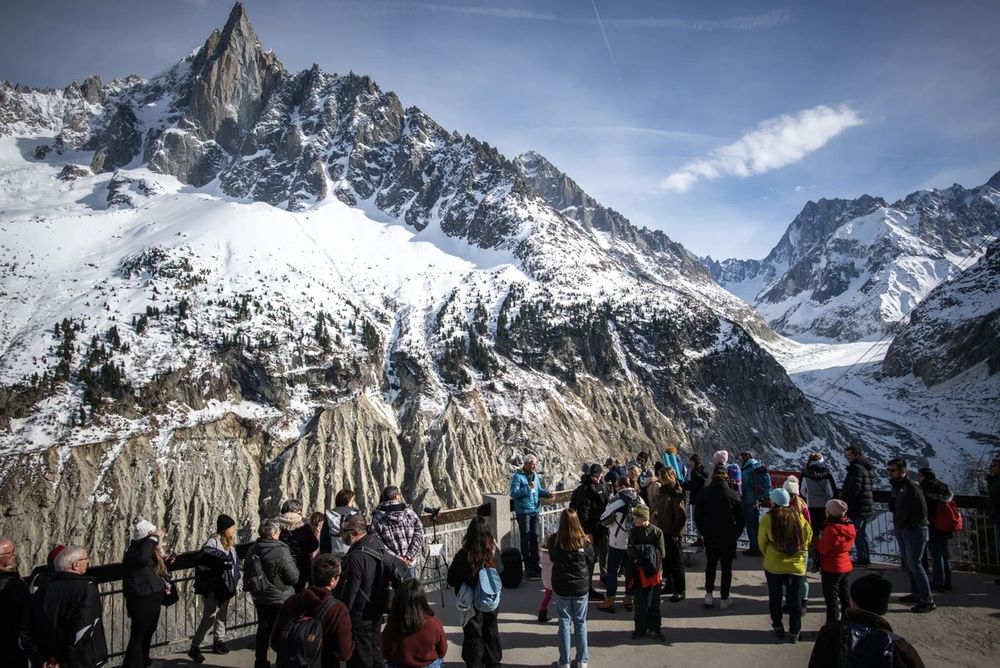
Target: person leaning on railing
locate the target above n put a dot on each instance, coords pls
(143, 570)
(215, 580)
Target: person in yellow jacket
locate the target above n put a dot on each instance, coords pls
(784, 536)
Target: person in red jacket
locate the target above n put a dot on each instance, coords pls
(338, 645)
(834, 548)
(413, 637)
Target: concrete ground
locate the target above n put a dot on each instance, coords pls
(963, 631)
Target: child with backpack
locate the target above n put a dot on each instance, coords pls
(473, 574)
(618, 518)
(413, 637)
(834, 548)
(645, 551)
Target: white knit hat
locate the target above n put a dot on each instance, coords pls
(792, 485)
(142, 528)
(721, 457)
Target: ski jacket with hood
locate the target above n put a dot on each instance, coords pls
(280, 570)
(719, 517)
(756, 482)
(619, 513)
(398, 527)
(817, 485)
(834, 545)
(527, 500)
(857, 491)
(139, 576)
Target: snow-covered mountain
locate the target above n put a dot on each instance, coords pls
(849, 270)
(231, 284)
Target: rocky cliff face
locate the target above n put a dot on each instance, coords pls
(386, 302)
(954, 329)
(851, 269)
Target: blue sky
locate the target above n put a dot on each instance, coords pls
(714, 121)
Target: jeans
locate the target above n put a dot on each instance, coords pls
(572, 609)
(266, 616)
(784, 585)
(530, 528)
(861, 540)
(752, 518)
(616, 558)
(937, 545)
(213, 616)
(144, 611)
(646, 613)
(912, 542)
(713, 556)
(836, 593)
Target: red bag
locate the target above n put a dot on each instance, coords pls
(947, 518)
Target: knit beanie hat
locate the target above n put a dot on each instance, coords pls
(791, 485)
(871, 592)
(721, 457)
(142, 528)
(56, 551)
(780, 497)
(641, 511)
(595, 469)
(224, 522)
(836, 508)
(671, 450)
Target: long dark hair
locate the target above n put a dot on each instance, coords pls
(787, 529)
(479, 544)
(409, 607)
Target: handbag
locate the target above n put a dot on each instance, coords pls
(170, 593)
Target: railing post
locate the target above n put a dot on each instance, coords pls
(499, 517)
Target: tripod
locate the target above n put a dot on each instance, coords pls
(435, 560)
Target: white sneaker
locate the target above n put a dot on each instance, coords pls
(726, 603)
(582, 665)
(709, 601)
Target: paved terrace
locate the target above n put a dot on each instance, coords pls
(963, 631)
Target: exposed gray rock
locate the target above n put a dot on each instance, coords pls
(119, 143)
(73, 172)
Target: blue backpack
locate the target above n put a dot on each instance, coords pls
(485, 597)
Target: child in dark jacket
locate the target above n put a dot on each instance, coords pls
(645, 552)
(834, 548)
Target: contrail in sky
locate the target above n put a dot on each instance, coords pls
(607, 43)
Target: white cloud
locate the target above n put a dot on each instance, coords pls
(774, 143)
(757, 22)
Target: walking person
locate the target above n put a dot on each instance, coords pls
(572, 557)
(698, 477)
(909, 519)
(215, 579)
(669, 515)
(589, 500)
(480, 634)
(299, 537)
(936, 493)
(65, 620)
(720, 521)
(834, 548)
(330, 540)
(413, 636)
(817, 487)
(618, 518)
(317, 601)
(645, 552)
(527, 491)
(398, 526)
(270, 575)
(857, 494)
(143, 571)
(14, 601)
(784, 536)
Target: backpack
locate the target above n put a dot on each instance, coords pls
(334, 520)
(760, 478)
(300, 644)
(623, 516)
(254, 579)
(946, 518)
(485, 596)
(392, 571)
(862, 646)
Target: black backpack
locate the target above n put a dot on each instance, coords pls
(392, 571)
(863, 646)
(300, 644)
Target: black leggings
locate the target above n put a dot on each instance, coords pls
(144, 611)
(714, 555)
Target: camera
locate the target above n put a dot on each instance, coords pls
(433, 512)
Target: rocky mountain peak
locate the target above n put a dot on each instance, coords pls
(994, 181)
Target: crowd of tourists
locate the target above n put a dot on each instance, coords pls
(335, 587)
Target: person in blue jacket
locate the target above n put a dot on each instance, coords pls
(526, 490)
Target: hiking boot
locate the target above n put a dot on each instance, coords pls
(627, 602)
(726, 603)
(607, 605)
(195, 655)
(920, 608)
(678, 597)
(709, 601)
(595, 595)
(543, 616)
(220, 648)
(656, 635)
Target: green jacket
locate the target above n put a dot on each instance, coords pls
(777, 561)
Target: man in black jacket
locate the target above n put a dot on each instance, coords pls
(13, 606)
(589, 501)
(993, 486)
(909, 519)
(857, 494)
(363, 589)
(66, 624)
